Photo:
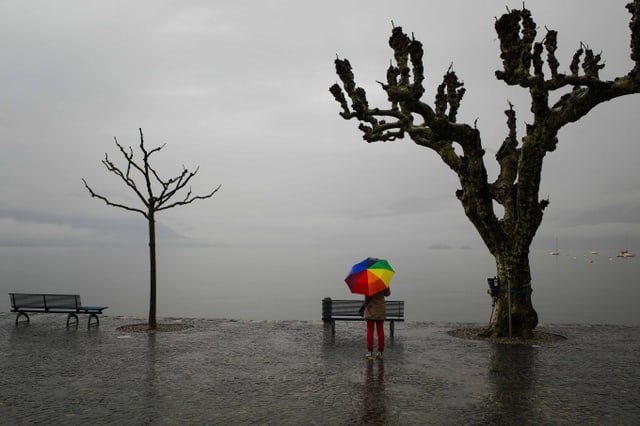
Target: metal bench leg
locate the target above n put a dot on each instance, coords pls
(72, 315)
(24, 314)
(97, 320)
(333, 326)
(391, 327)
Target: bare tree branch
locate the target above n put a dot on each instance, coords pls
(169, 188)
(126, 177)
(110, 203)
(189, 199)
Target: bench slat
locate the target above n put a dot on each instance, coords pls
(348, 310)
(394, 308)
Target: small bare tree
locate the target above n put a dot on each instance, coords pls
(156, 195)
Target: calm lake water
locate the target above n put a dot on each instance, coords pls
(289, 284)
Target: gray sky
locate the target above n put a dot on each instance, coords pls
(241, 90)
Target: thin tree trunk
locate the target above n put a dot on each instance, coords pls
(152, 272)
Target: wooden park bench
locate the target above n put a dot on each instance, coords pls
(53, 304)
(349, 310)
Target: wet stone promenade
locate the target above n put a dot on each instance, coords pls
(297, 373)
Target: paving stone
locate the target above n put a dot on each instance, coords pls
(288, 372)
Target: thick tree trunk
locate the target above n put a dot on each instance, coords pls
(152, 271)
(514, 314)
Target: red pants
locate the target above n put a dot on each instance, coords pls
(379, 325)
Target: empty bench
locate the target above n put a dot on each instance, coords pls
(53, 304)
(349, 310)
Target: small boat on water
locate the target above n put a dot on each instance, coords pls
(625, 253)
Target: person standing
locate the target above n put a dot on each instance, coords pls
(375, 312)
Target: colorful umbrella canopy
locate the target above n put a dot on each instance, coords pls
(370, 276)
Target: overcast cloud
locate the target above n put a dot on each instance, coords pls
(241, 90)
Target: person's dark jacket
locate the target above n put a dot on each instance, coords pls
(376, 308)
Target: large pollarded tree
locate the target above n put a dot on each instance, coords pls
(156, 194)
(531, 65)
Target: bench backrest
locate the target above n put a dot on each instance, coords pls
(350, 308)
(44, 301)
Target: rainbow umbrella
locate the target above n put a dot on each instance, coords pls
(370, 276)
